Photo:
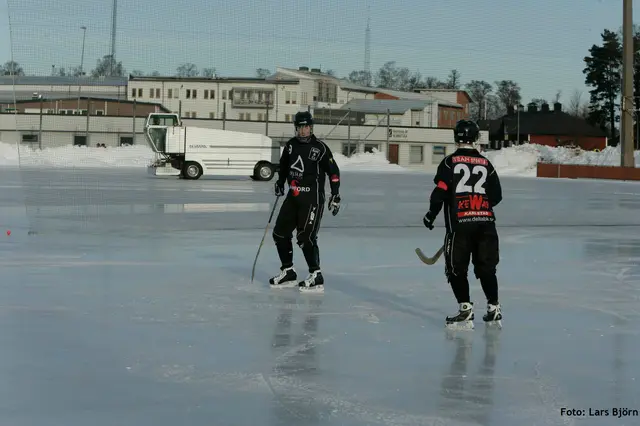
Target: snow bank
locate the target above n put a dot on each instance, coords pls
(521, 160)
(142, 156)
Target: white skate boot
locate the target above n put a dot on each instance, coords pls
(285, 279)
(313, 284)
(463, 320)
(493, 315)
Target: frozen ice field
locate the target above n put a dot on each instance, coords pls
(126, 300)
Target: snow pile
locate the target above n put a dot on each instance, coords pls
(142, 156)
(522, 160)
(75, 156)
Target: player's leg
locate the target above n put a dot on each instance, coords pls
(457, 254)
(310, 218)
(486, 256)
(282, 236)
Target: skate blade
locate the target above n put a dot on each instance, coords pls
(460, 325)
(286, 284)
(311, 290)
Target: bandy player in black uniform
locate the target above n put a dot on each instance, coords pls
(304, 162)
(468, 187)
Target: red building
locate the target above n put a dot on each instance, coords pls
(544, 127)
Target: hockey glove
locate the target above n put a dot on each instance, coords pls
(279, 189)
(428, 220)
(334, 204)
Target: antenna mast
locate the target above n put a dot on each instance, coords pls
(367, 49)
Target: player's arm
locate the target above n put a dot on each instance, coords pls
(494, 188)
(443, 180)
(328, 165)
(283, 172)
(440, 194)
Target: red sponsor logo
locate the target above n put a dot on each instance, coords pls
(470, 160)
(297, 189)
(335, 178)
(473, 205)
(475, 213)
(442, 185)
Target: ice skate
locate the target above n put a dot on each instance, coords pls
(463, 320)
(313, 284)
(285, 279)
(493, 315)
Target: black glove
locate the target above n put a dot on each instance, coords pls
(334, 204)
(428, 220)
(279, 189)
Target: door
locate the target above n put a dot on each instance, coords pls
(393, 153)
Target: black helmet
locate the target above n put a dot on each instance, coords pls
(466, 131)
(303, 118)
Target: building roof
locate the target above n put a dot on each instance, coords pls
(27, 95)
(347, 85)
(8, 80)
(432, 89)
(380, 106)
(93, 98)
(304, 72)
(270, 80)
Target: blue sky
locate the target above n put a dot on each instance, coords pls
(540, 45)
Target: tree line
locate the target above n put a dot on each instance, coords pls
(603, 75)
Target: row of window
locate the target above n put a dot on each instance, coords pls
(416, 152)
(243, 116)
(76, 140)
(242, 96)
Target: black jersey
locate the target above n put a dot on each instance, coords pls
(468, 186)
(304, 166)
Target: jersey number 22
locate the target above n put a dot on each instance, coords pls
(478, 169)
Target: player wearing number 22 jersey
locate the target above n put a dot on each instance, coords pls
(468, 188)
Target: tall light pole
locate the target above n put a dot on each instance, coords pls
(84, 35)
(626, 125)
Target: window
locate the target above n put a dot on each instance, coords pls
(79, 140)
(151, 93)
(212, 115)
(188, 93)
(29, 139)
(133, 92)
(193, 114)
(195, 93)
(349, 148)
(126, 140)
(176, 93)
(169, 93)
(99, 112)
(260, 116)
(158, 95)
(140, 92)
(438, 153)
(416, 154)
(369, 147)
(206, 94)
(304, 98)
(212, 94)
(224, 94)
(287, 117)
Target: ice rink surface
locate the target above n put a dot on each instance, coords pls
(126, 300)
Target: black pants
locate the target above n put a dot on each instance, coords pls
(304, 215)
(480, 245)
